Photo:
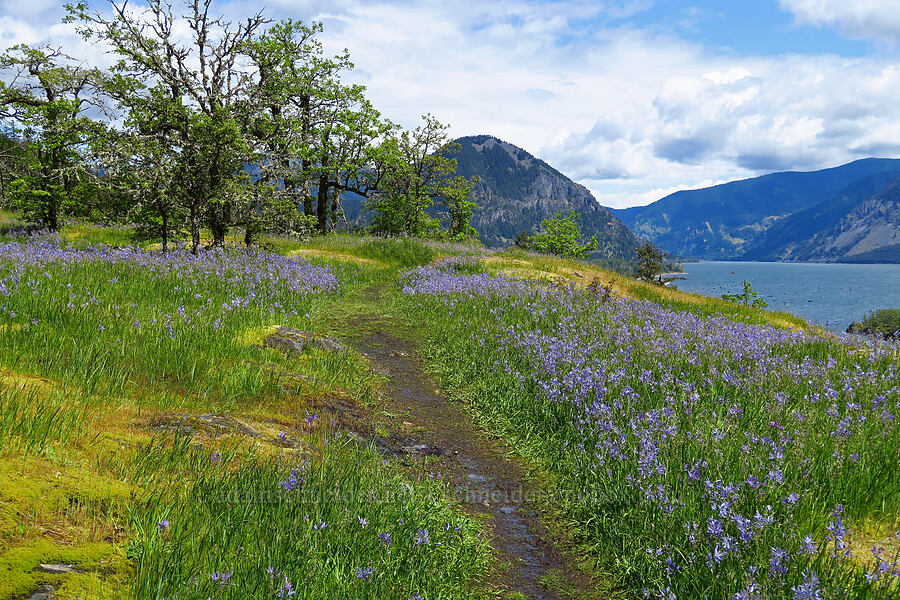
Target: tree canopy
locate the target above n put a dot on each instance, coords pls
(246, 124)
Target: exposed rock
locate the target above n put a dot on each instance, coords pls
(214, 424)
(516, 191)
(856, 328)
(290, 379)
(861, 329)
(45, 592)
(284, 441)
(341, 407)
(791, 216)
(399, 447)
(383, 372)
(424, 450)
(295, 341)
(56, 569)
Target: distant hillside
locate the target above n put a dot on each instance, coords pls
(885, 254)
(862, 218)
(869, 231)
(517, 191)
(735, 220)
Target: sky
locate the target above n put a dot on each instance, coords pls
(634, 99)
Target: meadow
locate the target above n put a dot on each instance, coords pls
(118, 367)
(692, 448)
(698, 456)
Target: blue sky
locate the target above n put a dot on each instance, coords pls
(761, 27)
(632, 98)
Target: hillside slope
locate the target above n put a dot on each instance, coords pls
(731, 220)
(517, 191)
(863, 218)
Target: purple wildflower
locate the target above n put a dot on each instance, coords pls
(809, 589)
(422, 537)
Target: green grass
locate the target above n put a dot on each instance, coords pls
(98, 360)
(321, 537)
(110, 328)
(517, 263)
(101, 361)
(32, 420)
(402, 252)
(536, 368)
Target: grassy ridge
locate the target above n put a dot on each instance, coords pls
(699, 448)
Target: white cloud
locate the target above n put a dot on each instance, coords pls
(877, 19)
(631, 115)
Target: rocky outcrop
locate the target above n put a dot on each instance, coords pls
(516, 191)
(296, 341)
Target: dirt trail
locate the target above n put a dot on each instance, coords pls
(481, 472)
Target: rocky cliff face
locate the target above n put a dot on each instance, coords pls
(517, 191)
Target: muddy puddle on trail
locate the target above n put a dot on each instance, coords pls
(481, 473)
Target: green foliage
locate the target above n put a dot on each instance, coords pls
(509, 192)
(145, 344)
(346, 527)
(419, 172)
(457, 195)
(885, 322)
(617, 265)
(749, 297)
(650, 262)
(260, 128)
(730, 211)
(504, 383)
(559, 236)
(48, 99)
(12, 162)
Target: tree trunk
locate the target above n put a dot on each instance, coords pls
(52, 213)
(248, 235)
(165, 231)
(305, 128)
(322, 204)
(335, 205)
(219, 231)
(195, 230)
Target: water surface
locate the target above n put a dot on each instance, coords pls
(831, 295)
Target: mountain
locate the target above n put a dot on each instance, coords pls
(863, 218)
(516, 191)
(733, 221)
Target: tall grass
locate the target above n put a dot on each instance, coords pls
(134, 322)
(232, 519)
(33, 419)
(400, 252)
(697, 456)
(337, 526)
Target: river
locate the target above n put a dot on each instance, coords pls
(831, 295)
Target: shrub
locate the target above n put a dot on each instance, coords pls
(559, 236)
(749, 297)
(885, 322)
